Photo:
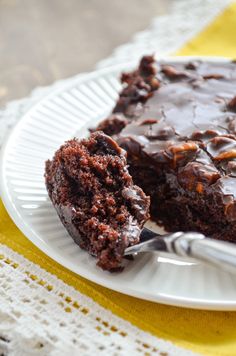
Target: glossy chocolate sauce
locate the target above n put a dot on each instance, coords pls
(186, 124)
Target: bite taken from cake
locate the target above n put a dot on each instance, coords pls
(95, 198)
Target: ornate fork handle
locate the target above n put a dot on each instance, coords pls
(219, 253)
(192, 244)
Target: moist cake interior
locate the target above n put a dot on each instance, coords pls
(95, 198)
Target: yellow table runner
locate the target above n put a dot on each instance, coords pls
(206, 332)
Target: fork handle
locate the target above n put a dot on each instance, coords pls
(219, 253)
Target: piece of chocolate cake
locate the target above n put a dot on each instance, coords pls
(179, 131)
(95, 198)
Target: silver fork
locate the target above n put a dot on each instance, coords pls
(188, 244)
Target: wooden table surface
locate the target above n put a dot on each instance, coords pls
(45, 40)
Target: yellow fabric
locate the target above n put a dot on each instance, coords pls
(206, 332)
(218, 39)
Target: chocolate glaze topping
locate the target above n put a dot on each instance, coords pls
(181, 118)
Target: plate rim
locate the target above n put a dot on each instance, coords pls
(196, 303)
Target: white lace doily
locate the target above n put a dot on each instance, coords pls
(41, 315)
(168, 33)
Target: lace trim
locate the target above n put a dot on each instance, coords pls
(168, 33)
(64, 321)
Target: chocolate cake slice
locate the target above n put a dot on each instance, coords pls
(177, 122)
(95, 198)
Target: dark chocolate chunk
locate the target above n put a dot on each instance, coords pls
(192, 65)
(172, 73)
(213, 76)
(112, 125)
(232, 104)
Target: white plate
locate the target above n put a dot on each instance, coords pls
(40, 132)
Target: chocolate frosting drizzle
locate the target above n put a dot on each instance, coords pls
(183, 116)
